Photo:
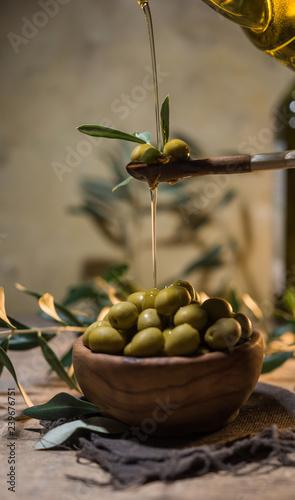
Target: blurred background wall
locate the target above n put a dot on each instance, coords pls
(67, 62)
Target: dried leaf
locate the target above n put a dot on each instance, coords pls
(252, 306)
(72, 320)
(46, 304)
(3, 315)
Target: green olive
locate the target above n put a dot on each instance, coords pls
(148, 342)
(90, 328)
(202, 349)
(145, 153)
(148, 300)
(129, 334)
(127, 350)
(188, 286)
(149, 318)
(123, 315)
(183, 340)
(217, 308)
(136, 298)
(107, 340)
(224, 334)
(192, 314)
(177, 149)
(170, 299)
(167, 332)
(245, 323)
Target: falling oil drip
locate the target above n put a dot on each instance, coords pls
(144, 4)
(147, 12)
(154, 193)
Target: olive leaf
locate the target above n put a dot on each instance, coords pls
(60, 434)
(234, 301)
(4, 343)
(275, 360)
(146, 136)
(55, 363)
(67, 358)
(252, 306)
(110, 133)
(17, 324)
(46, 304)
(165, 119)
(289, 299)
(72, 320)
(210, 259)
(62, 405)
(281, 329)
(5, 361)
(114, 273)
(123, 183)
(3, 315)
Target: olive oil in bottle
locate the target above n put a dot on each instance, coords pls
(146, 9)
(270, 24)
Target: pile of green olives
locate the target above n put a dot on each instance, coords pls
(168, 322)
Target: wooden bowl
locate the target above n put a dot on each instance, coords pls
(171, 395)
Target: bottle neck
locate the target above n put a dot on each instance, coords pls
(252, 14)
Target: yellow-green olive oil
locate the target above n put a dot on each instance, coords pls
(146, 9)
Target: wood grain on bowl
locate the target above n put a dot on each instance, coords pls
(168, 395)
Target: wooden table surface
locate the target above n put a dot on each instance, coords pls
(43, 474)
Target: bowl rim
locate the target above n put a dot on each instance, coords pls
(249, 344)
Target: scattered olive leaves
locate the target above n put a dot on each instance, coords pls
(55, 363)
(3, 315)
(165, 119)
(275, 360)
(110, 133)
(62, 405)
(5, 361)
(123, 183)
(60, 434)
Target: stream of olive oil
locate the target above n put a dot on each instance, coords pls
(145, 6)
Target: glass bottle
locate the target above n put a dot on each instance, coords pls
(270, 24)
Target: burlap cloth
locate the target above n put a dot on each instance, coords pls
(264, 431)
